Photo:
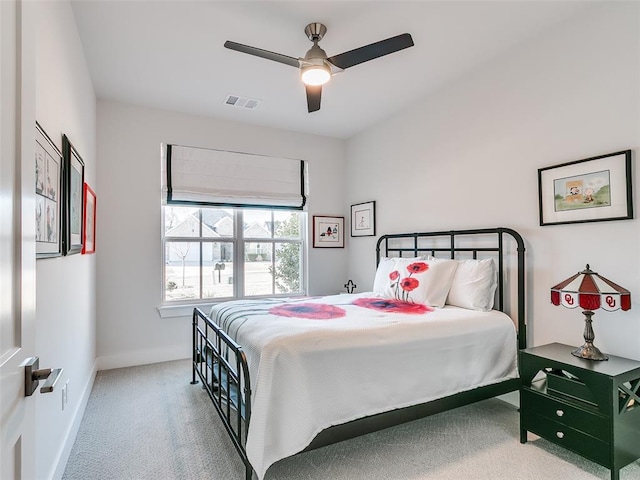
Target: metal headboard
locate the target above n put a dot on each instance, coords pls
(456, 242)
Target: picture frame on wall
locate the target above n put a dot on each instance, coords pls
(49, 193)
(328, 232)
(594, 189)
(363, 219)
(73, 215)
(89, 224)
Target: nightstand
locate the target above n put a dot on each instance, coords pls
(589, 407)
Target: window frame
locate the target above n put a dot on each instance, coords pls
(238, 242)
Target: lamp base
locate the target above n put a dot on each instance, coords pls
(589, 351)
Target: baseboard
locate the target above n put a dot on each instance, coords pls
(74, 426)
(143, 357)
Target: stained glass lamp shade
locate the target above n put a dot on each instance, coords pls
(590, 291)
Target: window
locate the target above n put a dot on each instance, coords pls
(224, 253)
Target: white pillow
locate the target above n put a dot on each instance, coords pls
(386, 266)
(474, 285)
(416, 280)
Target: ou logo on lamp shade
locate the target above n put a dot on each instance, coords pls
(569, 299)
(611, 302)
(590, 291)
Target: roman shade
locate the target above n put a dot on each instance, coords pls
(203, 176)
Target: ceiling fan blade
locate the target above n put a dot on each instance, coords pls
(258, 52)
(371, 51)
(314, 93)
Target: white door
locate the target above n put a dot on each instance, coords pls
(17, 237)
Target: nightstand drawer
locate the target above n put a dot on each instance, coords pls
(564, 413)
(581, 443)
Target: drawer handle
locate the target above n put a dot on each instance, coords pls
(559, 413)
(560, 434)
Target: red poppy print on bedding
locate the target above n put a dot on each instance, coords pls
(408, 284)
(313, 311)
(418, 267)
(392, 305)
(402, 287)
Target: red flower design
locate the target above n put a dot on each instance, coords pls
(394, 275)
(315, 311)
(392, 305)
(418, 267)
(408, 284)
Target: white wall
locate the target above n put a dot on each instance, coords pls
(65, 286)
(468, 157)
(128, 245)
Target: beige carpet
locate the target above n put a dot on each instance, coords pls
(148, 422)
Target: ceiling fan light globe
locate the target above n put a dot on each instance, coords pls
(315, 75)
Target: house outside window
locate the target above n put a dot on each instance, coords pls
(224, 253)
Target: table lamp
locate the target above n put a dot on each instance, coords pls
(590, 291)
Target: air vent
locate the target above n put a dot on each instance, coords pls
(242, 102)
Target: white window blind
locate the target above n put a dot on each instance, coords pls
(201, 176)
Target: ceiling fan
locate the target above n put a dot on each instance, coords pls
(316, 68)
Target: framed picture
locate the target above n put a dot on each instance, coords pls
(73, 214)
(363, 219)
(328, 232)
(591, 190)
(89, 224)
(49, 188)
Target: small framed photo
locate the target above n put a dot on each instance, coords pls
(363, 219)
(73, 204)
(328, 232)
(89, 224)
(49, 188)
(594, 189)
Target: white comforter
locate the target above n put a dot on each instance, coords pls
(309, 374)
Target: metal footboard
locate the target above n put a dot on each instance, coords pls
(222, 367)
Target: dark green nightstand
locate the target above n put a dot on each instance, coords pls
(589, 407)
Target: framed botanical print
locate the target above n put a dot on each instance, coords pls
(89, 224)
(49, 188)
(73, 214)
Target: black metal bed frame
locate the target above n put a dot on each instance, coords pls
(222, 367)
(221, 364)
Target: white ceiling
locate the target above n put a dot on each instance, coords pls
(170, 54)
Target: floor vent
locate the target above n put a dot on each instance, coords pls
(242, 102)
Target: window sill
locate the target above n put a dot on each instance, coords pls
(173, 311)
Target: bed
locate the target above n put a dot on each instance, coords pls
(292, 374)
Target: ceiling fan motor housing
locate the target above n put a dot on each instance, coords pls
(315, 53)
